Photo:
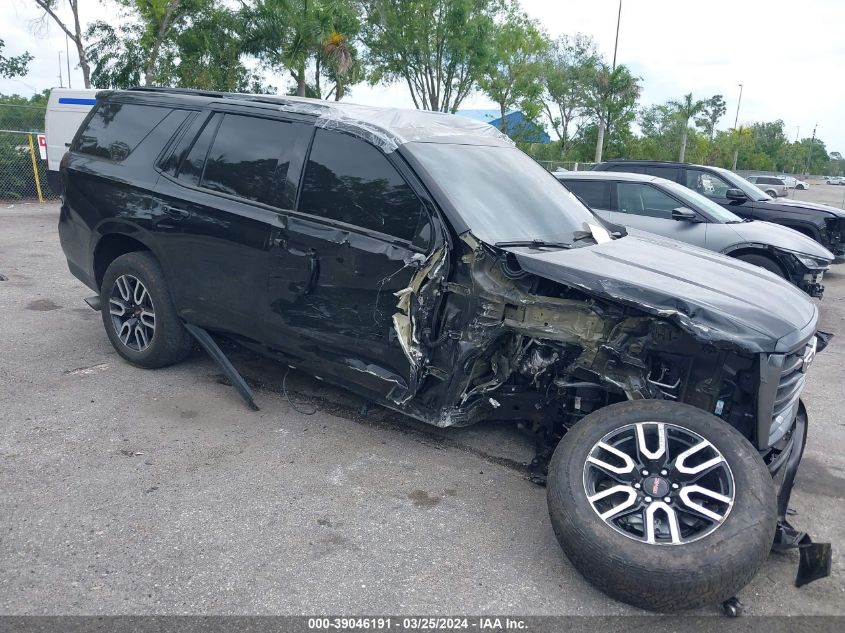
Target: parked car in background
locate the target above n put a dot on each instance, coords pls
(793, 183)
(775, 187)
(823, 223)
(424, 262)
(666, 208)
(836, 180)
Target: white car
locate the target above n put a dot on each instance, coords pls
(793, 183)
(836, 180)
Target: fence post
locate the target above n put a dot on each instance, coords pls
(35, 168)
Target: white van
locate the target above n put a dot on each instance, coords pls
(66, 109)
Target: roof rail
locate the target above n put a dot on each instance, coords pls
(186, 91)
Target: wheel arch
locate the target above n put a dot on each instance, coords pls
(112, 245)
(763, 250)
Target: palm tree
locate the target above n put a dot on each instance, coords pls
(685, 109)
(612, 95)
(290, 34)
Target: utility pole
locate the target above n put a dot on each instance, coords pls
(67, 59)
(61, 81)
(600, 142)
(810, 151)
(736, 131)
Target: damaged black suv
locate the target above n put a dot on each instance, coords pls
(424, 262)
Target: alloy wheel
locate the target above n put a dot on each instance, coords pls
(659, 483)
(132, 313)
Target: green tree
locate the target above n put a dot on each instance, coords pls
(569, 67)
(13, 66)
(714, 110)
(686, 109)
(50, 10)
(293, 35)
(439, 48)
(184, 43)
(512, 76)
(611, 100)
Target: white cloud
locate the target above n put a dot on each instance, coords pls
(788, 55)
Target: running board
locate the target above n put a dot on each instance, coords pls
(94, 302)
(204, 339)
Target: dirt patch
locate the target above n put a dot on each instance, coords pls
(42, 305)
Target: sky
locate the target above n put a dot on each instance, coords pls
(788, 55)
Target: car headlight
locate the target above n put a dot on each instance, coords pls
(811, 262)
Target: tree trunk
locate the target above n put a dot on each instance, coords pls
(504, 124)
(736, 155)
(600, 142)
(683, 146)
(300, 81)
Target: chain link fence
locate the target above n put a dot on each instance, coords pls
(562, 165)
(23, 173)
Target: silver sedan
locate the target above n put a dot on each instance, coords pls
(660, 206)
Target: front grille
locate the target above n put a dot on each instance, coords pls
(790, 386)
(782, 380)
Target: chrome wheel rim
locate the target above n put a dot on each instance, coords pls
(132, 313)
(659, 483)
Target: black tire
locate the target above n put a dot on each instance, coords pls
(170, 342)
(763, 261)
(663, 577)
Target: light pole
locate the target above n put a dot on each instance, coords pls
(600, 142)
(67, 59)
(736, 121)
(61, 81)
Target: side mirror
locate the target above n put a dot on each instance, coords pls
(735, 194)
(682, 214)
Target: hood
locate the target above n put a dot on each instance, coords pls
(713, 297)
(779, 237)
(798, 204)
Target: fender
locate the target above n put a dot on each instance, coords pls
(119, 226)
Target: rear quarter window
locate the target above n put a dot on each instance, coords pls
(116, 129)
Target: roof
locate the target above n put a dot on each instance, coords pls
(605, 175)
(387, 128)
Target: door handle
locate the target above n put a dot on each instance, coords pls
(175, 212)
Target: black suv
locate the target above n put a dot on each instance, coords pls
(823, 223)
(424, 262)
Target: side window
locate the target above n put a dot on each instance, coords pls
(640, 199)
(707, 183)
(662, 171)
(245, 154)
(117, 128)
(191, 170)
(595, 193)
(349, 180)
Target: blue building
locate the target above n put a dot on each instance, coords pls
(520, 128)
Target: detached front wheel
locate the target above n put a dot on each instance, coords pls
(661, 505)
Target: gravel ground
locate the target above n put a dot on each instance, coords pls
(132, 491)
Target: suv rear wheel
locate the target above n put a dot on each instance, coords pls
(138, 313)
(661, 505)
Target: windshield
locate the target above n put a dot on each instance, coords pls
(749, 189)
(502, 194)
(696, 200)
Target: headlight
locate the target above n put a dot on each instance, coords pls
(811, 262)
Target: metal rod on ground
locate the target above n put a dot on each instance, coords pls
(35, 168)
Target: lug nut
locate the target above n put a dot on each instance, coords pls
(648, 499)
(675, 486)
(667, 500)
(645, 473)
(664, 472)
(637, 486)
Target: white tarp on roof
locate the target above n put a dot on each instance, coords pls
(390, 127)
